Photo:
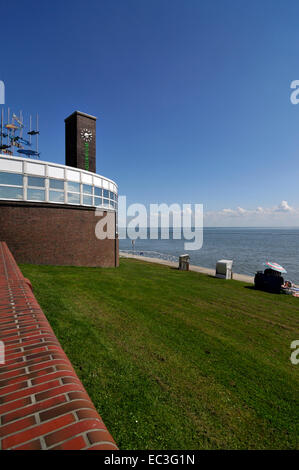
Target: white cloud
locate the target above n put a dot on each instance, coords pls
(241, 211)
(282, 214)
(284, 207)
(227, 211)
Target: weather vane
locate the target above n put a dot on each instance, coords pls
(11, 136)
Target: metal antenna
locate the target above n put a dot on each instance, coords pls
(37, 132)
(8, 123)
(30, 121)
(22, 124)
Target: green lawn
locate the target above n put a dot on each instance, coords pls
(177, 360)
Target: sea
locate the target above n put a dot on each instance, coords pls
(249, 248)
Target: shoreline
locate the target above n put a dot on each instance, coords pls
(173, 264)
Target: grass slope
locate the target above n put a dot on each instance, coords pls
(177, 360)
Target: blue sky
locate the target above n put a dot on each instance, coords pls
(192, 96)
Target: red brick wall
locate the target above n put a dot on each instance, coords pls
(43, 404)
(56, 235)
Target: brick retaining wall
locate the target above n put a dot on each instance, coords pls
(54, 234)
(43, 404)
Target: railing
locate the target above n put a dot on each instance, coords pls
(36, 181)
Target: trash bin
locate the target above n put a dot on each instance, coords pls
(224, 269)
(184, 262)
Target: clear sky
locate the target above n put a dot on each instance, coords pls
(192, 96)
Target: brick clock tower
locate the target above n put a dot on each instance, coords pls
(80, 141)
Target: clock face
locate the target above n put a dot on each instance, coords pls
(86, 135)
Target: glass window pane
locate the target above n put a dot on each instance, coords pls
(36, 194)
(11, 178)
(73, 198)
(98, 201)
(56, 184)
(111, 195)
(98, 191)
(87, 189)
(106, 193)
(75, 187)
(106, 202)
(87, 200)
(56, 196)
(36, 181)
(11, 193)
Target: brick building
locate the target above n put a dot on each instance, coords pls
(49, 212)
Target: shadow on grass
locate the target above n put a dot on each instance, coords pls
(260, 290)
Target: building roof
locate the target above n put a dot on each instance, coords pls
(81, 114)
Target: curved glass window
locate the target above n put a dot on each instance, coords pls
(35, 194)
(12, 179)
(56, 188)
(56, 196)
(36, 181)
(8, 192)
(74, 187)
(98, 201)
(87, 189)
(87, 200)
(73, 198)
(56, 184)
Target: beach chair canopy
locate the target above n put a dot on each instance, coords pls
(275, 267)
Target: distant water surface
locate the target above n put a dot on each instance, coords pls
(247, 247)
